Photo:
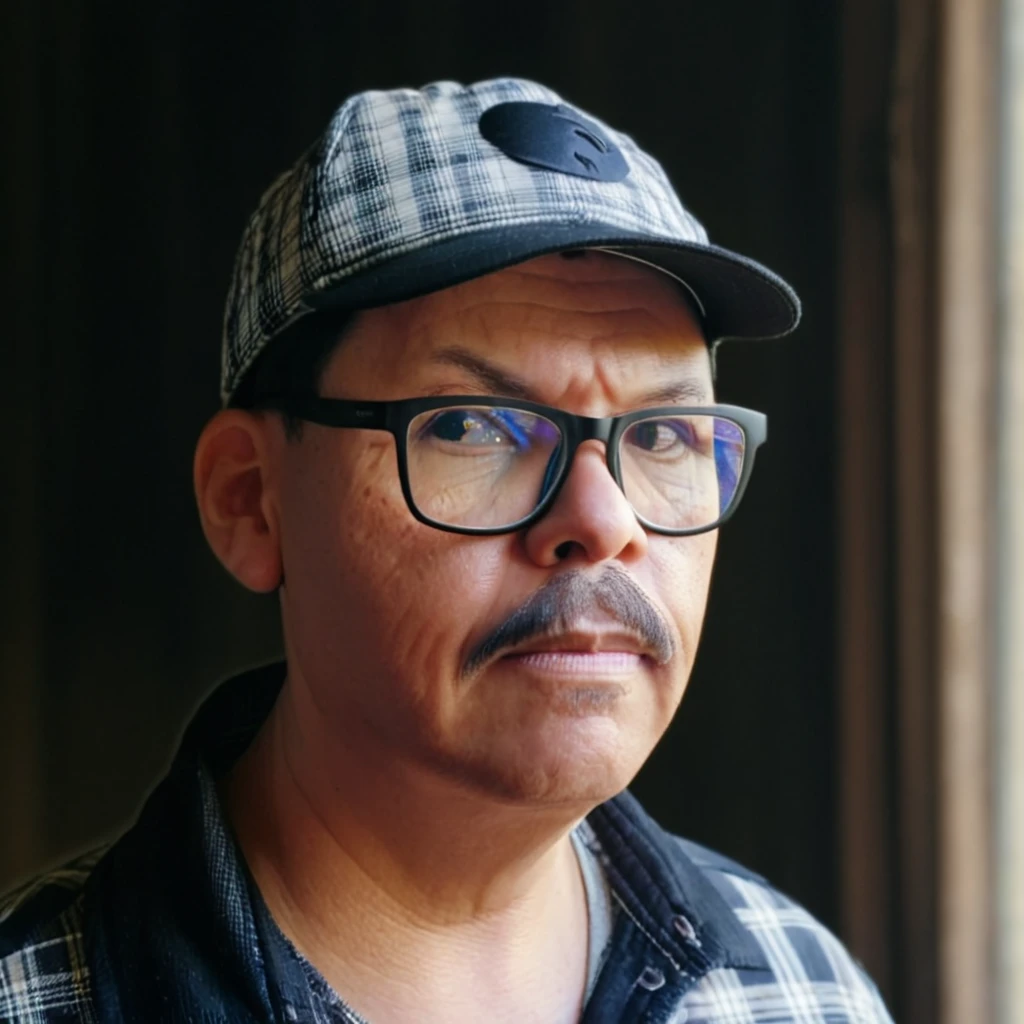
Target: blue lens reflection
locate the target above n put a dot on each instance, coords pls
(729, 445)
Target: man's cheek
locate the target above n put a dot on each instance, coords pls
(432, 598)
(682, 584)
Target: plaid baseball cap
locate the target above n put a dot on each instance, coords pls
(410, 191)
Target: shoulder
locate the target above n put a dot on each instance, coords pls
(43, 972)
(808, 965)
(44, 897)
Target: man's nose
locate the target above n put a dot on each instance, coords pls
(590, 516)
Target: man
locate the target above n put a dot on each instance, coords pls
(470, 436)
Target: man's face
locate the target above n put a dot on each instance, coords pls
(382, 612)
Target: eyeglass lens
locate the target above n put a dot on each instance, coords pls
(487, 467)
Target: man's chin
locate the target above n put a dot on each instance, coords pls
(579, 760)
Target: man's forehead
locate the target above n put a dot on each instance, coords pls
(558, 298)
(519, 329)
(585, 281)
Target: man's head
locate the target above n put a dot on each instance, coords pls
(539, 664)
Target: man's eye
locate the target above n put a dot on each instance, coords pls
(467, 427)
(660, 436)
(448, 426)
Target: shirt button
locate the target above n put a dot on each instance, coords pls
(688, 932)
(651, 979)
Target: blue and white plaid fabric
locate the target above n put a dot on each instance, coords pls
(48, 980)
(813, 980)
(403, 171)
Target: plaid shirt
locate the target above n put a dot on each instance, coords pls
(167, 924)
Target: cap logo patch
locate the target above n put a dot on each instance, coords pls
(554, 137)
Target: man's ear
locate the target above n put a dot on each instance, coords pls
(232, 474)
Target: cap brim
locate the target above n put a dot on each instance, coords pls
(740, 297)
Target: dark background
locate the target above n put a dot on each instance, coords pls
(138, 139)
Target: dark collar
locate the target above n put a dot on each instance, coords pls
(668, 894)
(177, 930)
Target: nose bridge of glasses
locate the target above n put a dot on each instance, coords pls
(590, 428)
(586, 428)
(576, 430)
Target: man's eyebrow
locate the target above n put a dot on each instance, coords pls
(684, 391)
(494, 378)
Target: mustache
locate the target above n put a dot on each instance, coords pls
(563, 601)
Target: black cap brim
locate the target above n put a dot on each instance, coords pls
(740, 297)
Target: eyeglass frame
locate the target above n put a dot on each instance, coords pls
(396, 416)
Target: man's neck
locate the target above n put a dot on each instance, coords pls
(415, 899)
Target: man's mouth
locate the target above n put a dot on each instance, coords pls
(595, 624)
(591, 649)
(578, 663)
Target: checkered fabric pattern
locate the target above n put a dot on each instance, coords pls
(812, 978)
(48, 979)
(405, 170)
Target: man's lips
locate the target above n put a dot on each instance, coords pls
(582, 652)
(578, 663)
(581, 641)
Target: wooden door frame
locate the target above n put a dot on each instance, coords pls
(917, 337)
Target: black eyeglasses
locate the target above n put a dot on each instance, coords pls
(494, 465)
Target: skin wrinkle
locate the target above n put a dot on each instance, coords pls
(386, 777)
(494, 380)
(559, 325)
